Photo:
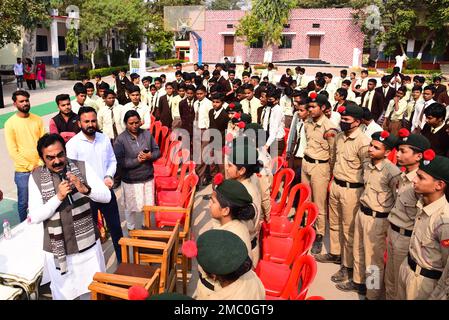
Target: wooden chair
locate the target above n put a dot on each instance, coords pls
(184, 233)
(128, 274)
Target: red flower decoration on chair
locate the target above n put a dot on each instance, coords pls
(384, 134)
(237, 115)
(241, 125)
(429, 155)
(137, 293)
(404, 133)
(189, 249)
(341, 109)
(218, 179)
(229, 137)
(313, 95)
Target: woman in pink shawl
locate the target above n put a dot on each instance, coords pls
(41, 74)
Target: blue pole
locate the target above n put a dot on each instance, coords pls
(200, 47)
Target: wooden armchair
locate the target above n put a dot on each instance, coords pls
(184, 233)
(154, 279)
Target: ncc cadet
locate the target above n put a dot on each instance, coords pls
(403, 213)
(380, 177)
(429, 244)
(224, 258)
(320, 137)
(351, 151)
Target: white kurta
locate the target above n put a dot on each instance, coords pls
(81, 266)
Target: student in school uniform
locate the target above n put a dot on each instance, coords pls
(369, 126)
(187, 112)
(218, 120)
(80, 97)
(272, 120)
(251, 104)
(380, 177)
(387, 92)
(402, 215)
(439, 88)
(286, 104)
(163, 111)
(435, 129)
(175, 106)
(137, 105)
(429, 243)
(346, 84)
(91, 98)
(395, 112)
(145, 90)
(372, 100)
(153, 99)
(269, 72)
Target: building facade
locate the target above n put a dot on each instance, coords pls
(326, 35)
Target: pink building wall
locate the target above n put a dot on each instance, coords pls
(340, 37)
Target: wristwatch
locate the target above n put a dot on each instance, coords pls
(89, 189)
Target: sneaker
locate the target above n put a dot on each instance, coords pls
(352, 286)
(328, 258)
(317, 245)
(344, 274)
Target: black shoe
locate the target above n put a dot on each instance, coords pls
(344, 274)
(317, 245)
(352, 286)
(328, 258)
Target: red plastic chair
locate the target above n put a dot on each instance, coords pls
(276, 165)
(285, 250)
(282, 283)
(175, 199)
(304, 194)
(174, 182)
(284, 177)
(282, 227)
(157, 130)
(169, 161)
(153, 119)
(163, 139)
(284, 152)
(392, 156)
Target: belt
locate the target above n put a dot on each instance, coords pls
(345, 184)
(404, 232)
(374, 214)
(311, 160)
(432, 274)
(254, 243)
(206, 283)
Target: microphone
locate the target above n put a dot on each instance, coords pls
(63, 177)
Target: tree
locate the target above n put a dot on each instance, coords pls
(71, 47)
(224, 5)
(323, 3)
(269, 16)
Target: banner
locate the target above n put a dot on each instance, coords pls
(134, 65)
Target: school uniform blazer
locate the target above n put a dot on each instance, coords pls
(221, 123)
(187, 115)
(391, 93)
(377, 104)
(163, 112)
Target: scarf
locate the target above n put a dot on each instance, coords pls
(80, 214)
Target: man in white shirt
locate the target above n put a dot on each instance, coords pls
(145, 89)
(362, 82)
(159, 86)
(110, 116)
(416, 102)
(286, 104)
(140, 107)
(95, 149)
(346, 84)
(201, 123)
(80, 98)
(419, 120)
(369, 126)
(153, 99)
(329, 87)
(270, 73)
(91, 99)
(251, 103)
(395, 111)
(175, 106)
(300, 78)
(18, 72)
(273, 123)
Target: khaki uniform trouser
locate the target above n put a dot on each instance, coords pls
(317, 175)
(397, 249)
(412, 285)
(370, 236)
(343, 206)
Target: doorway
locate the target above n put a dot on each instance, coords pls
(229, 46)
(314, 47)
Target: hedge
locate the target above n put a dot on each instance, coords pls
(164, 62)
(414, 71)
(105, 71)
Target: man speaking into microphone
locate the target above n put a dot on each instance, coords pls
(59, 196)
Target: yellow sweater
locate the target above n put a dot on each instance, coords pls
(21, 136)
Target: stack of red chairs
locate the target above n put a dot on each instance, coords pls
(155, 129)
(276, 165)
(284, 152)
(285, 178)
(164, 166)
(152, 121)
(173, 182)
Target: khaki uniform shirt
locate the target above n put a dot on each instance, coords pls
(253, 188)
(380, 185)
(441, 291)
(318, 147)
(350, 152)
(247, 287)
(430, 232)
(404, 210)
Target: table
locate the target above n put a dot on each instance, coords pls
(22, 258)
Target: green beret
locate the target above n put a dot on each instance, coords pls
(221, 252)
(416, 141)
(234, 106)
(243, 117)
(233, 191)
(243, 152)
(351, 110)
(169, 296)
(389, 140)
(436, 166)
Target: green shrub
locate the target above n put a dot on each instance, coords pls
(75, 75)
(414, 71)
(118, 58)
(164, 62)
(413, 64)
(105, 71)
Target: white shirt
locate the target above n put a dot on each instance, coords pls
(286, 104)
(250, 107)
(162, 92)
(202, 110)
(153, 101)
(217, 112)
(98, 154)
(76, 106)
(92, 101)
(81, 266)
(175, 106)
(351, 96)
(363, 83)
(273, 121)
(300, 133)
(368, 99)
(416, 116)
(371, 128)
(18, 69)
(105, 121)
(145, 93)
(269, 74)
(143, 110)
(335, 118)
